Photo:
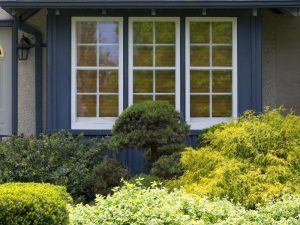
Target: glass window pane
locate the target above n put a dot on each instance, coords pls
(222, 106)
(86, 105)
(222, 81)
(199, 56)
(108, 56)
(165, 56)
(108, 105)
(222, 32)
(142, 98)
(108, 81)
(199, 81)
(165, 81)
(199, 106)
(143, 32)
(86, 32)
(165, 32)
(142, 56)
(199, 32)
(86, 56)
(143, 81)
(222, 56)
(86, 81)
(108, 32)
(168, 98)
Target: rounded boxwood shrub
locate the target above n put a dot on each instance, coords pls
(248, 160)
(149, 124)
(33, 203)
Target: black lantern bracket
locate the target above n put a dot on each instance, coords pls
(23, 47)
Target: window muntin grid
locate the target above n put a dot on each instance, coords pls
(97, 79)
(211, 71)
(154, 60)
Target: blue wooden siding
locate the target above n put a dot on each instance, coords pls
(59, 67)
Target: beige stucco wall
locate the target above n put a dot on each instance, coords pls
(26, 82)
(4, 15)
(281, 60)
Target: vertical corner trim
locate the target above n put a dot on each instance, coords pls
(256, 67)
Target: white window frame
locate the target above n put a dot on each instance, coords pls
(94, 123)
(176, 20)
(199, 123)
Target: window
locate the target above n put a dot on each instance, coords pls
(153, 68)
(154, 60)
(211, 71)
(97, 76)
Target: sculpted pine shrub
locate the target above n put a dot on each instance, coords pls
(150, 124)
(248, 160)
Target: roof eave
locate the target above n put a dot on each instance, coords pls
(152, 4)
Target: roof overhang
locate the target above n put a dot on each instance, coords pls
(24, 9)
(150, 3)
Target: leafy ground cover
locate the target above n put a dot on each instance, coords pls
(136, 205)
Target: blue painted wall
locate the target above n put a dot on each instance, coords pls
(59, 67)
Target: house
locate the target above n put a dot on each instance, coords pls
(89, 60)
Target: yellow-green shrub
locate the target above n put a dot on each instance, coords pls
(248, 160)
(33, 204)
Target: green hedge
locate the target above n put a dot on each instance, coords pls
(135, 205)
(33, 204)
(59, 158)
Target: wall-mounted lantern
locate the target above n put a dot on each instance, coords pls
(23, 48)
(1, 52)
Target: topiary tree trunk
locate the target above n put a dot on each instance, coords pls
(153, 153)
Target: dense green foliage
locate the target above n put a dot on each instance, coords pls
(106, 176)
(149, 124)
(167, 166)
(59, 159)
(135, 205)
(33, 204)
(248, 160)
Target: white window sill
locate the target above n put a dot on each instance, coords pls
(85, 123)
(202, 123)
